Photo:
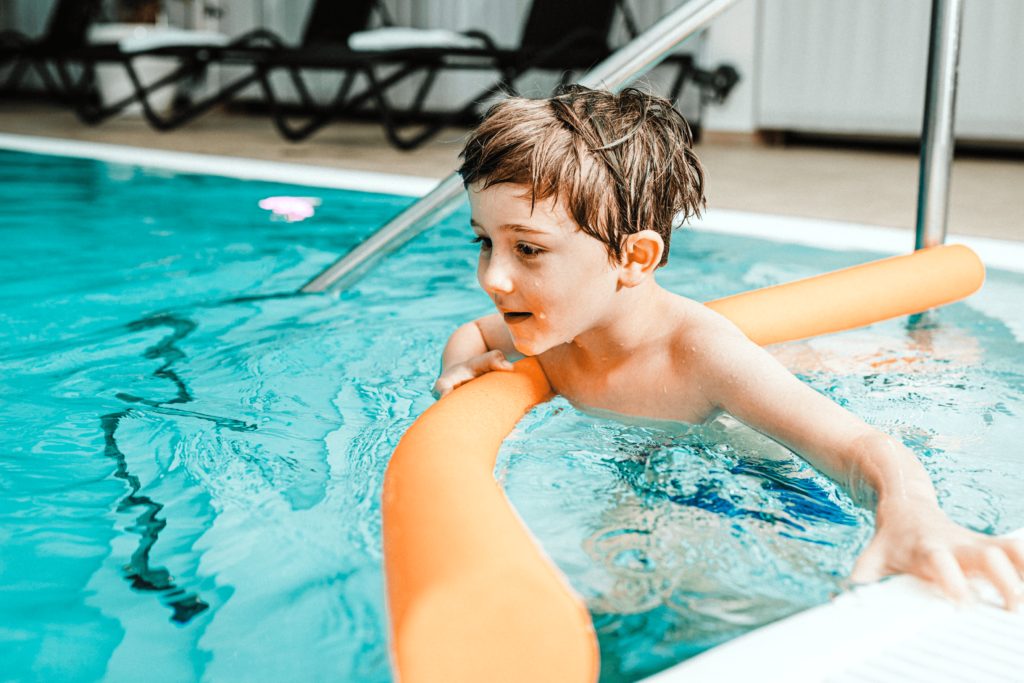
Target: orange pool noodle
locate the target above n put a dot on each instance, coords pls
(854, 297)
(470, 595)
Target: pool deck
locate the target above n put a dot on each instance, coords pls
(862, 186)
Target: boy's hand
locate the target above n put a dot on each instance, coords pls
(921, 540)
(460, 373)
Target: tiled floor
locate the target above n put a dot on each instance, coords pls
(876, 188)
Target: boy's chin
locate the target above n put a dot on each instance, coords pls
(529, 347)
(533, 347)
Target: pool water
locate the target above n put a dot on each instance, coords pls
(191, 459)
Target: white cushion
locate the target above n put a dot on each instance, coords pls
(141, 37)
(399, 38)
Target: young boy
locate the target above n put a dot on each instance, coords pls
(573, 201)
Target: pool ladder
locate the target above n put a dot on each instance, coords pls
(641, 55)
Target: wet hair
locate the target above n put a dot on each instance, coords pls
(621, 163)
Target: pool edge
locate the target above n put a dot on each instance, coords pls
(824, 642)
(232, 167)
(843, 236)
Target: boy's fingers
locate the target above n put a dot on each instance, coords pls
(459, 374)
(440, 388)
(455, 377)
(1014, 549)
(498, 361)
(998, 569)
(943, 569)
(870, 566)
(493, 360)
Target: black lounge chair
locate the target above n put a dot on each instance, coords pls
(66, 62)
(328, 27)
(324, 45)
(66, 29)
(560, 35)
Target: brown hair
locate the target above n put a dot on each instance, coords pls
(623, 163)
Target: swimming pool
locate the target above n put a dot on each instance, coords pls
(192, 462)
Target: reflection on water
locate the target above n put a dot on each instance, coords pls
(185, 605)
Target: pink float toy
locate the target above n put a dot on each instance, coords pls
(290, 208)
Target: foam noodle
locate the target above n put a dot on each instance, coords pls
(855, 297)
(471, 597)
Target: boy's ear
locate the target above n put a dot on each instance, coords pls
(641, 255)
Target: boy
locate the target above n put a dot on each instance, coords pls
(573, 201)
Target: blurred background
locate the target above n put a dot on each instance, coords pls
(821, 117)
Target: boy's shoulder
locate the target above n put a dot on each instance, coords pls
(693, 319)
(691, 328)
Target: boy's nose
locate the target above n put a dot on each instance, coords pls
(494, 278)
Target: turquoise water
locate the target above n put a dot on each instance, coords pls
(191, 462)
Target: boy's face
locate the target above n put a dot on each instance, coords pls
(552, 281)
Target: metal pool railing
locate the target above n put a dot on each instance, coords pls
(937, 137)
(644, 53)
(628, 63)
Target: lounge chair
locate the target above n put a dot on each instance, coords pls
(324, 43)
(560, 35)
(66, 61)
(66, 45)
(67, 27)
(324, 46)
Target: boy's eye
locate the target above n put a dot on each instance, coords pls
(528, 249)
(484, 242)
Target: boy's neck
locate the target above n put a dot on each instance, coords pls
(636, 319)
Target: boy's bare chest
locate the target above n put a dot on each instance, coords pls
(649, 387)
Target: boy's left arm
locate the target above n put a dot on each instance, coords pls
(912, 534)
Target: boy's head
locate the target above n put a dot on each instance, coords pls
(619, 164)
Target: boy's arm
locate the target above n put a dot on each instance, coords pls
(475, 348)
(912, 534)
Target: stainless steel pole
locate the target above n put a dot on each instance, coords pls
(937, 138)
(628, 63)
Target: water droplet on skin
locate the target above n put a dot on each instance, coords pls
(542, 316)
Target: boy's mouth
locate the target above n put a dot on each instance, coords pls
(516, 317)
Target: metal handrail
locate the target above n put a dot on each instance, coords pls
(937, 140)
(628, 63)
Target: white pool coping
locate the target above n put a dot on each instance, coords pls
(231, 167)
(835, 235)
(840, 236)
(901, 629)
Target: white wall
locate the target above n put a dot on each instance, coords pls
(836, 66)
(734, 38)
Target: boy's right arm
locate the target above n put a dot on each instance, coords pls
(474, 349)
